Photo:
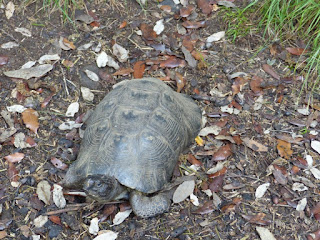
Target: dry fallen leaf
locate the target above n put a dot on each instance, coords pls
(261, 190)
(181, 82)
(254, 145)
(30, 119)
(296, 51)
(269, 69)
(13, 173)
(205, 6)
(223, 153)
(207, 207)
(3, 60)
(69, 44)
(284, 149)
(193, 25)
(199, 141)
(57, 196)
(58, 163)
(121, 216)
(255, 85)
(120, 52)
(9, 10)
(265, 233)
(216, 183)
(72, 109)
(123, 72)
(15, 157)
(44, 191)
(138, 69)
(183, 191)
(147, 32)
(123, 24)
(173, 62)
(94, 226)
(257, 219)
(33, 72)
(106, 235)
(186, 11)
(40, 221)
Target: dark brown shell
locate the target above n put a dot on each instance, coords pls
(136, 134)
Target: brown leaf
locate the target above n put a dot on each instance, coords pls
(216, 183)
(30, 119)
(193, 25)
(123, 72)
(219, 173)
(47, 100)
(316, 235)
(58, 163)
(96, 22)
(166, 8)
(273, 49)
(223, 153)
(316, 209)
(173, 62)
(68, 43)
(3, 234)
(295, 170)
(189, 43)
(284, 149)
(238, 84)
(269, 69)
(205, 6)
(147, 32)
(186, 11)
(296, 51)
(237, 139)
(254, 145)
(67, 63)
(192, 160)
(25, 230)
(15, 157)
(125, 206)
(13, 172)
(288, 138)
(123, 24)
(279, 175)
(230, 207)
(205, 209)
(108, 210)
(181, 82)
(3, 60)
(138, 69)
(257, 219)
(55, 219)
(255, 85)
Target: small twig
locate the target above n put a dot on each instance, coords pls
(65, 81)
(9, 35)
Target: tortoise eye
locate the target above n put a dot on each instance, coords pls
(98, 184)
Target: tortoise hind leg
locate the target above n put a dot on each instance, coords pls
(146, 207)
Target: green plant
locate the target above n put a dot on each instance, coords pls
(239, 21)
(300, 19)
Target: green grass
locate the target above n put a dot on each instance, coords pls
(287, 21)
(299, 19)
(239, 21)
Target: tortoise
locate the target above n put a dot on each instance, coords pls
(132, 143)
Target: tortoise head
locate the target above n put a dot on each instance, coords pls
(102, 188)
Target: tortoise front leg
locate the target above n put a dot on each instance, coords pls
(146, 207)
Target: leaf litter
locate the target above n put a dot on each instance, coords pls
(239, 147)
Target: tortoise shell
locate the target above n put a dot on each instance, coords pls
(136, 134)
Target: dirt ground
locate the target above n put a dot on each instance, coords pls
(256, 163)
